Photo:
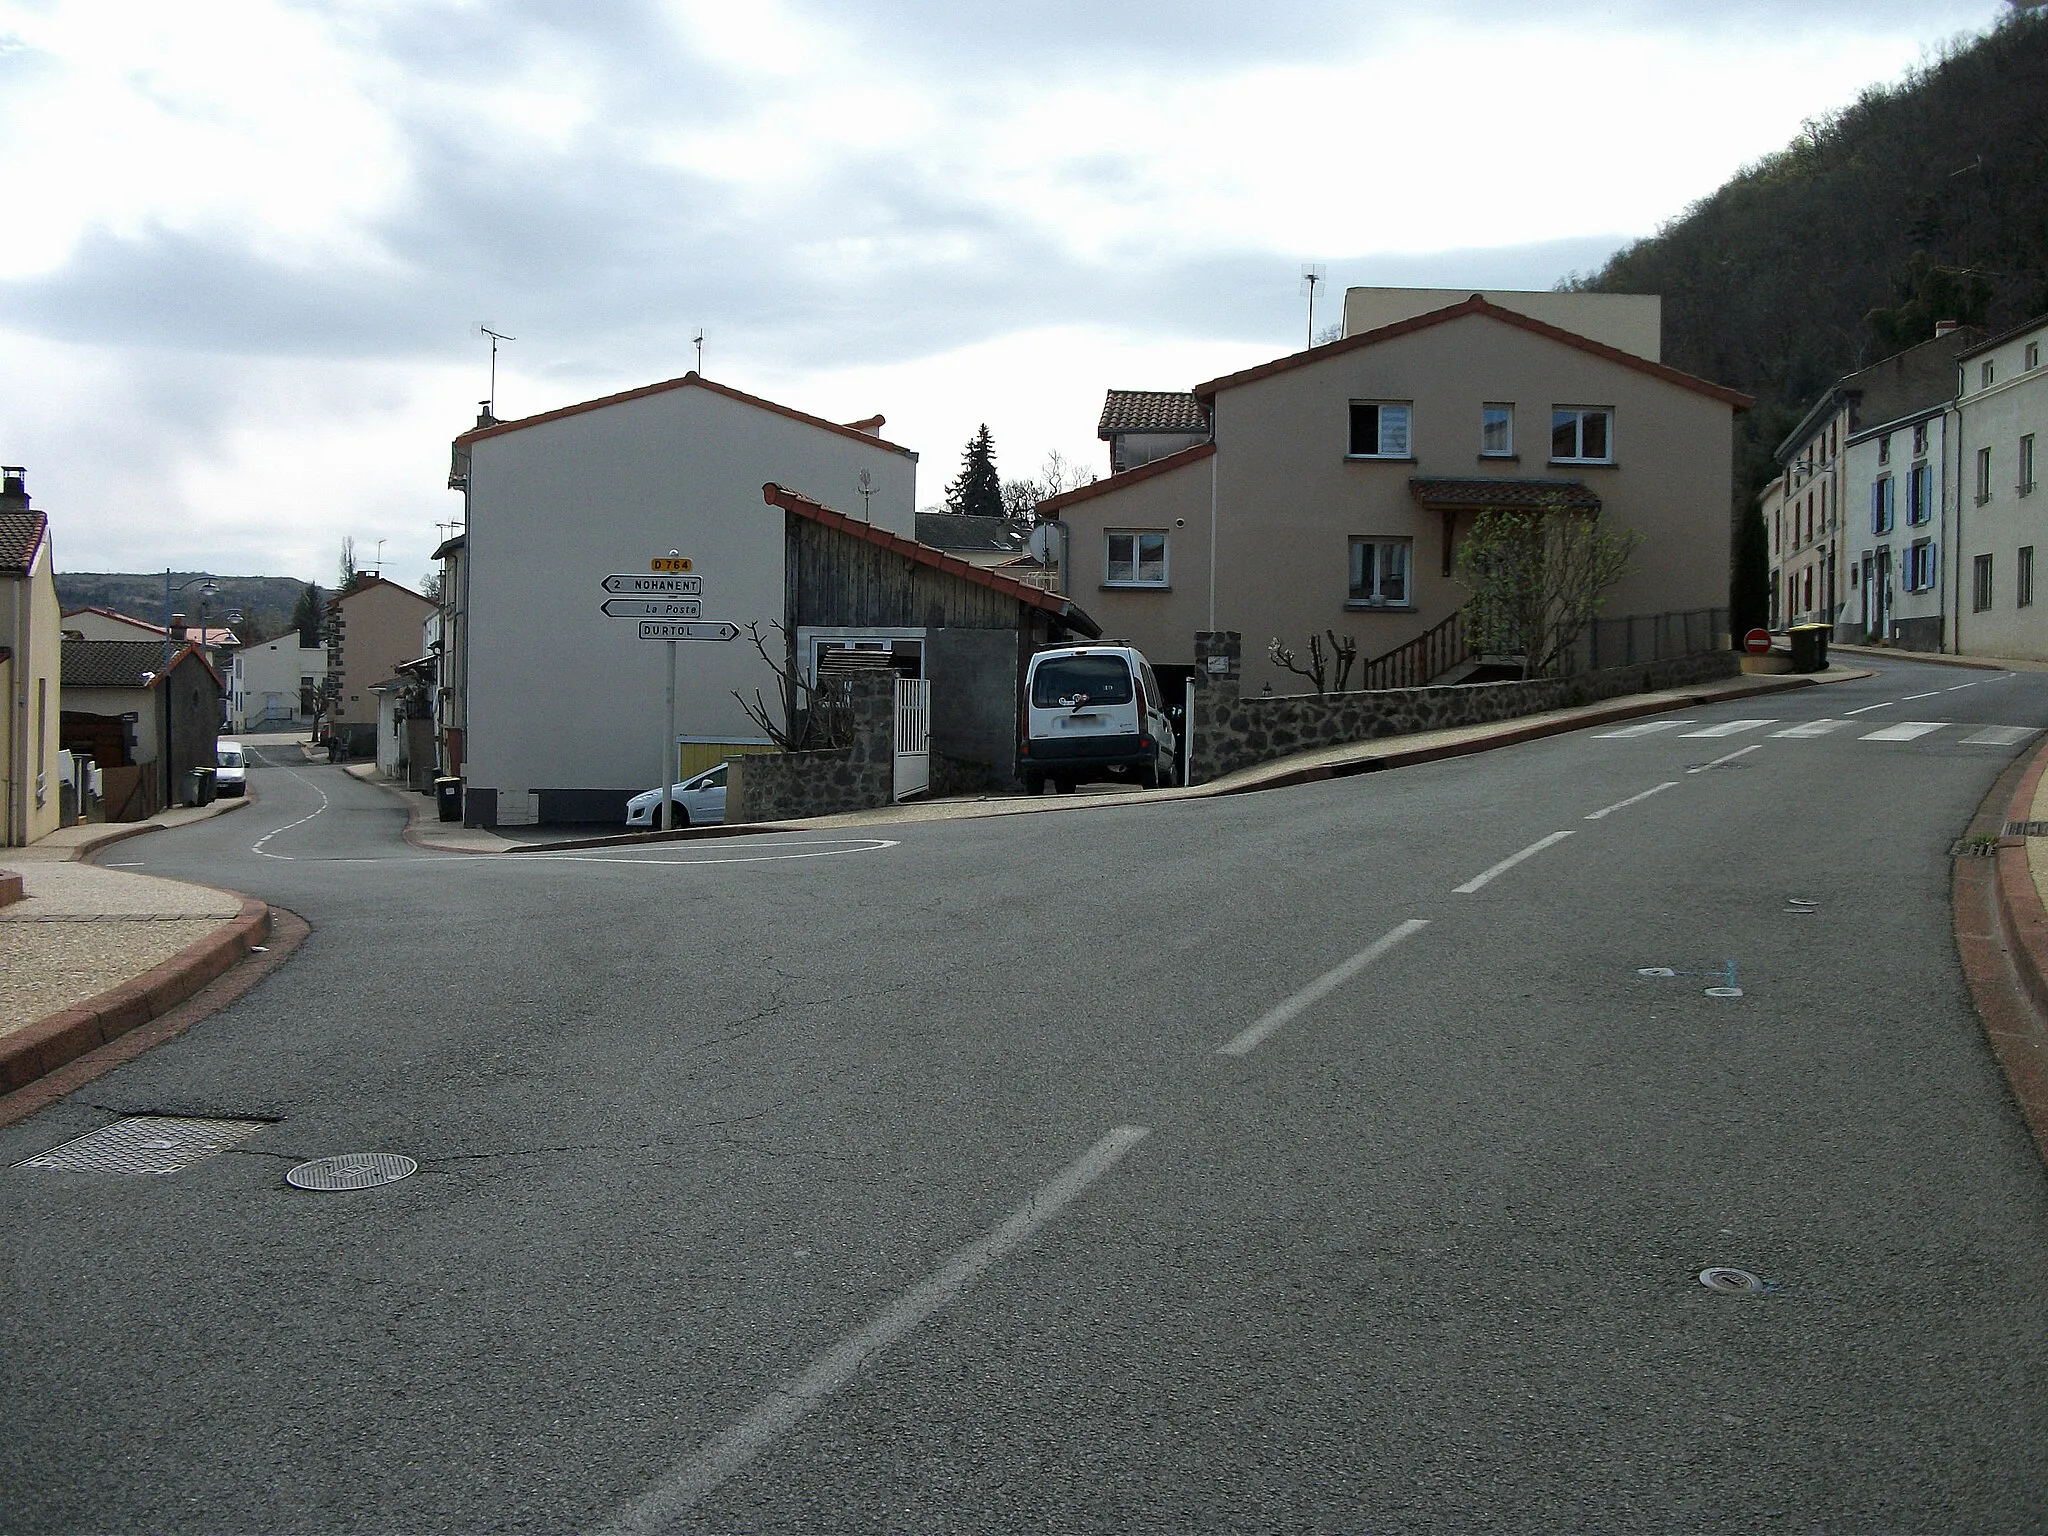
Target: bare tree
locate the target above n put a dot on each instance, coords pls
(1343, 653)
(1537, 577)
(804, 717)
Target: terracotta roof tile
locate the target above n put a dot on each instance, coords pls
(1151, 410)
(1487, 492)
(122, 663)
(21, 535)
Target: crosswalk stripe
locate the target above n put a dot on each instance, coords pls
(2000, 736)
(1811, 728)
(1647, 728)
(1730, 728)
(1905, 730)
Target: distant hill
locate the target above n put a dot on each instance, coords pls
(1922, 201)
(266, 602)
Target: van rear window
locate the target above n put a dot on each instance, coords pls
(1069, 680)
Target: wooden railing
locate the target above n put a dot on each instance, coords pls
(1428, 656)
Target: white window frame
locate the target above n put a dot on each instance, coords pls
(1920, 495)
(2024, 578)
(2026, 485)
(1579, 415)
(1983, 475)
(1883, 504)
(1922, 563)
(1506, 413)
(1981, 590)
(1402, 447)
(1134, 559)
(1373, 594)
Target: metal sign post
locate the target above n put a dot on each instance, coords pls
(668, 751)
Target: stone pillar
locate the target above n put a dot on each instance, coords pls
(1219, 675)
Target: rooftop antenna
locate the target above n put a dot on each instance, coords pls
(379, 561)
(698, 339)
(496, 337)
(867, 489)
(1312, 273)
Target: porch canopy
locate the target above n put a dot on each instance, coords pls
(1490, 494)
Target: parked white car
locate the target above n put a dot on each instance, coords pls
(231, 768)
(699, 802)
(1094, 712)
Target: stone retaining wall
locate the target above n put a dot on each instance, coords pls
(787, 786)
(1233, 732)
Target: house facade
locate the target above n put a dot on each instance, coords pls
(1997, 424)
(1339, 482)
(277, 685)
(370, 630)
(561, 707)
(145, 723)
(31, 669)
(1897, 508)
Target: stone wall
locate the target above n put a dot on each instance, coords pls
(1233, 732)
(786, 786)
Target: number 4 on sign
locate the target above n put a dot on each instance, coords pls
(1724, 974)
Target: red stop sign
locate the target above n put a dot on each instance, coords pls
(1757, 642)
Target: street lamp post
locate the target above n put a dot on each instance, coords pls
(207, 586)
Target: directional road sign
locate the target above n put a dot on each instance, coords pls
(654, 586)
(656, 630)
(672, 563)
(654, 608)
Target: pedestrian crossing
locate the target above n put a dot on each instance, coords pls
(1806, 730)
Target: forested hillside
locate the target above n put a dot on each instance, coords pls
(265, 602)
(1925, 200)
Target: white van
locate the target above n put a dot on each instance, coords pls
(1093, 712)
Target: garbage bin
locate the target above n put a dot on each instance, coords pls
(1809, 647)
(199, 787)
(209, 784)
(448, 798)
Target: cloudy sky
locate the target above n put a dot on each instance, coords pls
(249, 242)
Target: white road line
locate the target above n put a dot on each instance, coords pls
(257, 846)
(1909, 698)
(1622, 805)
(1960, 686)
(1648, 728)
(1717, 762)
(1730, 728)
(2000, 736)
(1905, 730)
(831, 847)
(1247, 1042)
(783, 1408)
(1810, 728)
(1866, 709)
(1509, 863)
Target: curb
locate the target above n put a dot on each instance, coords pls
(1931, 658)
(63, 1036)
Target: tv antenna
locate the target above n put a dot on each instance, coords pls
(698, 341)
(867, 489)
(1312, 273)
(496, 336)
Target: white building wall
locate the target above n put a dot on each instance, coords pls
(260, 676)
(1879, 598)
(564, 698)
(2009, 519)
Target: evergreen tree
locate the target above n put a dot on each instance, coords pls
(308, 614)
(1749, 594)
(978, 491)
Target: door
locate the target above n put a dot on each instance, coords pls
(913, 736)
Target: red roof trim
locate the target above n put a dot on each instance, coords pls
(802, 505)
(1475, 306)
(1129, 477)
(177, 660)
(690, 380)
(368, 579)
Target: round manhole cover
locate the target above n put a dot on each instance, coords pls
(1732, 1281)
(1724, 991)
(352, 1170)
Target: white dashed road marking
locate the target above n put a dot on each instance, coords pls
(1730, 728)
(1811, 728)
(1245, 1043)
(1647, 728)
(1905, 730)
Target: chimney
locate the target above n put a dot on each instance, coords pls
(177, 629)
(484, 418)
(1942, 328)
(13, 488)
(870, 425)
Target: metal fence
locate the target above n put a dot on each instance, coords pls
(1655, 637)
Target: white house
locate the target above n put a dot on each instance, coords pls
(274, 685)
(1896, 521)
(1999, 418)
(563, 714)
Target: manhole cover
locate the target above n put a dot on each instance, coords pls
(1734, 1282)
(352, 1170)
(145, 1144)
(1655, 970)
(1724, 991)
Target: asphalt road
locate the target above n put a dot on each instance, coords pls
(1281, 1162)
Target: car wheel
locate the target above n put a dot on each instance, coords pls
(1034, 782)
(1063, 785)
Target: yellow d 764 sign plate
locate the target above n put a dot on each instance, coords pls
(670, 565)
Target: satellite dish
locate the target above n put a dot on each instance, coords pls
(1045, 543)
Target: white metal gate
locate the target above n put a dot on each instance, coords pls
(913, 736)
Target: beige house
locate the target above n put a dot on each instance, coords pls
(371, 629)
(106, 624)
(31, 669)
(1999, 418)
(1339, 480)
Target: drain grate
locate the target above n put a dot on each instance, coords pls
(1973, 848)
(352, 1170)
(2026, 829)
(145, 1144)
(1734, 1282)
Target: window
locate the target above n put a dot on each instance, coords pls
(1881, 504)
(1919, 439)
(1581, 434)
(2033, 354)
(1985, 375)
(1920, 563)
(2025, 595)
(1980, 584)
(1983, 476)
(1135, 558)
(2026, 484)
(1884, 449)
(1379, 573)
(1496, 431)
(1920, 494)
(1379, 429)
